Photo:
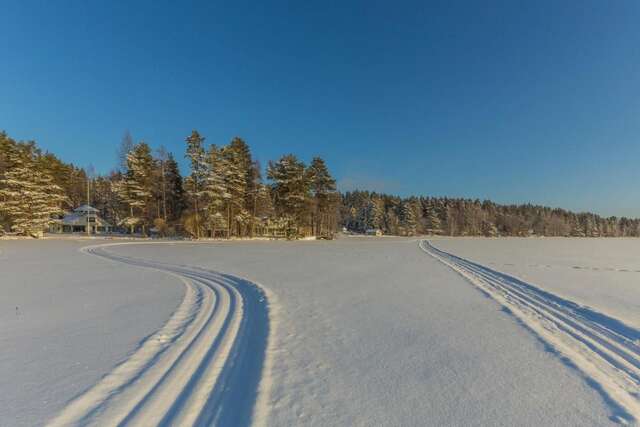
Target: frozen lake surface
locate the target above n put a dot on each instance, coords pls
(363, 331)
(599, 273)
(66, 319)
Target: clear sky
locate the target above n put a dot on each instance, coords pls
(514, 101)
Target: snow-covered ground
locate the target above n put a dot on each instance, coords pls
(65, 319)
(604, 348)
(600, 273)
(362, 331)
(375, 332)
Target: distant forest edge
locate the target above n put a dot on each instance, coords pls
(224, 195)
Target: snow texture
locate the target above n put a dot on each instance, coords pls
(373, 331)
(361, 331)
(604, 349)
(201, 368)
(66, 319)
(603, 274)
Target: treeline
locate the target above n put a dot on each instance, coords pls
(363, 210)
(224, 194)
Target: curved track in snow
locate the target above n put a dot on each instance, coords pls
(203, 367)
(604, 349)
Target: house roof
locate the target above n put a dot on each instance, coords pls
(79, 217)
(86, 208)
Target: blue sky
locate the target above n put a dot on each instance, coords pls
(513, 101)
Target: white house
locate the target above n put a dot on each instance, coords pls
(77, 221)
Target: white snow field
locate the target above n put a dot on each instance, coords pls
(65, 320)
(358, 332)
(604, 348)
(603, 274)
(201, 368)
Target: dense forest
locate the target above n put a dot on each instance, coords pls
(224, 195)
(363, 210)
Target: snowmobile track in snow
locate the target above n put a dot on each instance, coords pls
(203, 367)
(604, 349)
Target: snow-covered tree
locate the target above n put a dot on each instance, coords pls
(237, 162)
(196, 180)
(433, 224)
(135, 190)
(377, 213)
(290, 189)
(28, 196)
(409, 220)
(215, 188)
(323, 190)
(366, 215)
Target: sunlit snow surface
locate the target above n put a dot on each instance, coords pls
(66, 319)
(605, 349)
(600, 273)
(364, 331)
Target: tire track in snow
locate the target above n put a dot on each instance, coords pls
(203, 367)
(604, 349)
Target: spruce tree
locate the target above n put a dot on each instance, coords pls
(136, 188)
(174, 188)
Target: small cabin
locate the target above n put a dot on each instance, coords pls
(78, 221)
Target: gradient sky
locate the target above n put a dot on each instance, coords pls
(514, 101)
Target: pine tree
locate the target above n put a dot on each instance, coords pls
(28, 195)
(377, 213)
(215, 188)
(246, 167)
(363, 219)
(198, 176)
(409, 219)
(264, 208)
(255, 195)
(290, 190)
(235, 157)
(323, 188)
(433, 223)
